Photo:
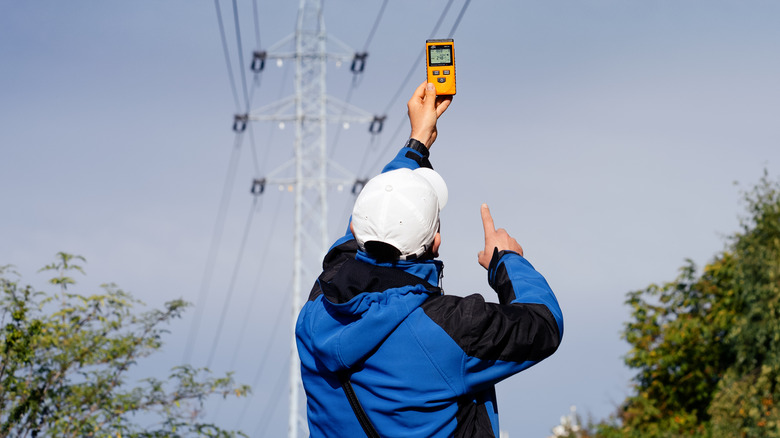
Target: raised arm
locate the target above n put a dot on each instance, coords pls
(424, 109)
(527, 324)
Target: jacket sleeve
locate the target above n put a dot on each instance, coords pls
(410, 156)
(498, 340)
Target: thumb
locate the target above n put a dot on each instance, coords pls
(430, 96)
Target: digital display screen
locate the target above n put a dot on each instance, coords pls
(440, 55)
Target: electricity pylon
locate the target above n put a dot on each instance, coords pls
(310, 109)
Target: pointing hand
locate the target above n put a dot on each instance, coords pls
(495, 239)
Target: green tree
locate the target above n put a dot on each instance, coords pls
(66, 358)
(746, 402)
(706, 347)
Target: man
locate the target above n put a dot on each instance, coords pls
(383, 351)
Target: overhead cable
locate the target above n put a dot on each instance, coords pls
(375, 26)
(379, 157)
(260, 367)
(255, 159)
(256, 289)
(358, 65)
(257, 24)
(228, 297)
(216, 239)
(416, 63)
(414, 68)
(240, 55)
(457, 20)
(227, 55)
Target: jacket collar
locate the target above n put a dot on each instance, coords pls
(429, 270)
(364, 274)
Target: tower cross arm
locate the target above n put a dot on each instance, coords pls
(285, 49)
(340, 111)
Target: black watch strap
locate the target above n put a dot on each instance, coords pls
(419, 147)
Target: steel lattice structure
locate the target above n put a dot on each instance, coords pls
(311, 110)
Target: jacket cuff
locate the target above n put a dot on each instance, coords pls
(497, 255)
(498, 279)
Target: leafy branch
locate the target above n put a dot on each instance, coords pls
(65, 358)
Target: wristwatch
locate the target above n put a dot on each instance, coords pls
(418, 146)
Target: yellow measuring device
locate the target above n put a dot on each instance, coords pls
(440, 65)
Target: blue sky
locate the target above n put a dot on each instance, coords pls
(605, 135)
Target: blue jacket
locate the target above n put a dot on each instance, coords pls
(422, 364)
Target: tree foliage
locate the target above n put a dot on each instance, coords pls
(706, 347)
(66, 358)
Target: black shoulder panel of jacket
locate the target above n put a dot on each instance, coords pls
(354, 277)
(512, 332)
(472, 420)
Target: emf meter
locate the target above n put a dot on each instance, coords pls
(440, 56)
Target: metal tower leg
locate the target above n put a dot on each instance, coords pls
(310, 237)
(309, 108)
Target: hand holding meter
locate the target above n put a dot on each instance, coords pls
(440, 65)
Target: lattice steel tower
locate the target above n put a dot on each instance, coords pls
(310, 109)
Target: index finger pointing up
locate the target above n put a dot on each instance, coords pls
(487, 220)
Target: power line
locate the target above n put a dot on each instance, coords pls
(266, 352)
(271, 132)
(248, 98)
(257, 24)
(417, 61)
(349, 202)
(227, 54)
(405, 81)
(457, 20)
(240, 52)
(230, 179)
(254, 293)
(387, 147)
(340, 127)
(358, 71)
(216, 239)
(454, 28)
(254, 151)
(228, 298)
(267, 247)
(257, 56)
(376, 25)
(249, 307)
